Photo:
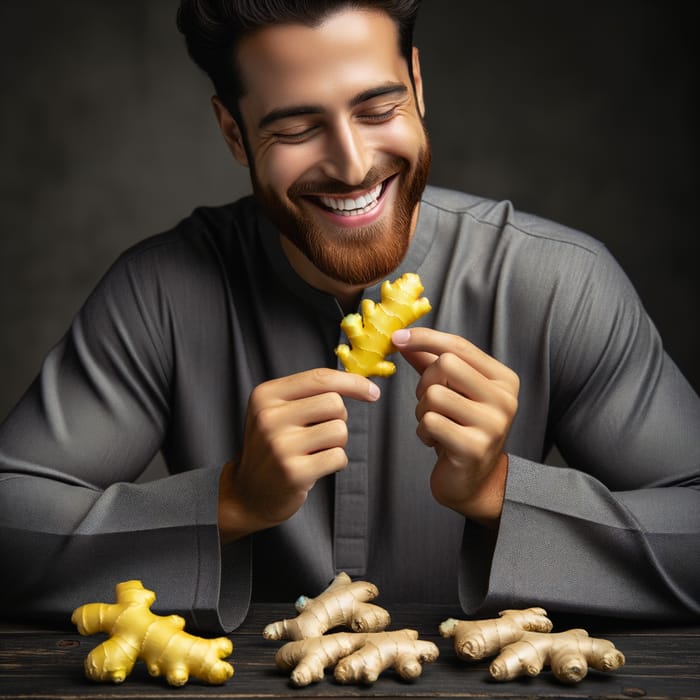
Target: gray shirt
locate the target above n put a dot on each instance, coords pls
(165, 352)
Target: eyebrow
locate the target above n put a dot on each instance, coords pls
(301, 110)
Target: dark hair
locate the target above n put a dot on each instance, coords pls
(214, 28)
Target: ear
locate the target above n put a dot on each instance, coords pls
(230, 130)
(418, 81)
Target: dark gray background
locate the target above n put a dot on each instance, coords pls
(581, 112)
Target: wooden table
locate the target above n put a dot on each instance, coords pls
(662, 662)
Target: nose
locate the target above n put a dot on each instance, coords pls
(348, 158)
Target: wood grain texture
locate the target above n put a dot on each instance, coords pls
(662, 662)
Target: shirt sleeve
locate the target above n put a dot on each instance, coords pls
(617, 531)
(74, 522)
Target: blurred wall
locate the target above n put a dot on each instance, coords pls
(579, 112)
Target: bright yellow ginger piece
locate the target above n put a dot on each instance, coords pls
(344, 602)
(137, 633)
(369, 333)
(525, 644)
(358, 657)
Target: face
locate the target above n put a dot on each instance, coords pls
(335, 141)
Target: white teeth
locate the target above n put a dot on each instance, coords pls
(352, 207)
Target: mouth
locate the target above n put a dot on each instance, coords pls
(355, 206)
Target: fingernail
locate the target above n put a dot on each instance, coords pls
(401, 336)
(374, 391)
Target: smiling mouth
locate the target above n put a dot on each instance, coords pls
(353, 206)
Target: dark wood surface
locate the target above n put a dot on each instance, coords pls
(661, 662)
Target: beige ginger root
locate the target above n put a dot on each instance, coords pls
(526, 645)
(475, 639)
(137, 633)
(569, 654)
(370, 332)
(344, 602)
(358, 657)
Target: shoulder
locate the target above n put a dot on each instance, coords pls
(192, 261)
(208, 232)
(175, 280)
(502, 222)
(533, 254)
(201, 251)
(536, 265)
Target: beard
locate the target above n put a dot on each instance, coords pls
(360, 255)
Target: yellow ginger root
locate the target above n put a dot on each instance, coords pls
(475, 639)
(526, 645)
(342, 603)
(569, 654)
(137, 633)
(358, 658)
(369, 333)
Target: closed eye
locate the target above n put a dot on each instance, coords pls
(295, 136)
(378, 116)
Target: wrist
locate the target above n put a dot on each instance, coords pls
(233, 521)
(486, 504)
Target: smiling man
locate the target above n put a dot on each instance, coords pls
(214, 342)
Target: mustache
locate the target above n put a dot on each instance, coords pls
(330, 186)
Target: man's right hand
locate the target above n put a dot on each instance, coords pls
(295, 433)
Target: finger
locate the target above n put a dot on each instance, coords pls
(465, 443)
(421, 339)
(457, 408)
(420, 361)
(453, 372)
(310, 410)
(311, 439)
(307, 469)
(491, 423)
(320, 380)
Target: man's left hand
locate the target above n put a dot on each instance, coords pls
(467, 401)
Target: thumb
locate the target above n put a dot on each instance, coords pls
(419, 360)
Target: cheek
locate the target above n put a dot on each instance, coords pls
(281, 168)
(403, 138)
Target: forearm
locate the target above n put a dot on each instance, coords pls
(567, 543)
(66, 545)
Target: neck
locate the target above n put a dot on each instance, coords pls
(347, 295)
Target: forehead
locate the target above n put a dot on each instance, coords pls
(349, 50)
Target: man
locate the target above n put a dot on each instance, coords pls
(214, 343)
